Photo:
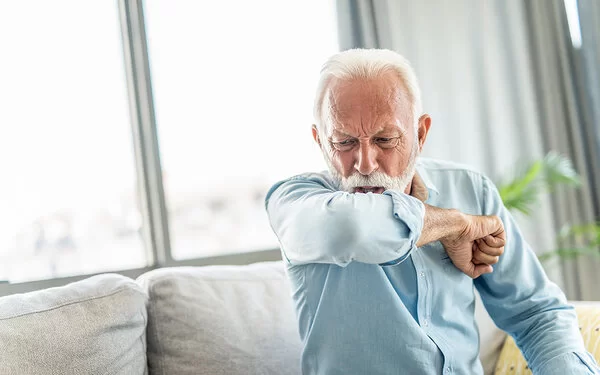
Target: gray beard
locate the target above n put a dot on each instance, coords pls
(376, 178)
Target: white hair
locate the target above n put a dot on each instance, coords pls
(365, 63)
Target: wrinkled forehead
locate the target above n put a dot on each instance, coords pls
(383, 97)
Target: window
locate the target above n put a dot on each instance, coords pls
(233, 87)
(68, 192)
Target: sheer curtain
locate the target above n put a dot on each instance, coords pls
(566, 51)
(493, 75)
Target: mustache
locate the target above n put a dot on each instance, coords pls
(374, 179)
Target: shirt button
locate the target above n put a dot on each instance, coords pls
(422, 274)
(426, 323)
(447, 370)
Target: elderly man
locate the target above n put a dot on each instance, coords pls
(384, 251)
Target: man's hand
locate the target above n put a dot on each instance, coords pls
(477, 245)
(418, 188)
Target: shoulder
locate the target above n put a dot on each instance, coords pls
(448, 170)
(439, 165)
(457, 185)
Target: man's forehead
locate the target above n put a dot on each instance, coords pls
(383, 97)
(345, 97)
(380, 102)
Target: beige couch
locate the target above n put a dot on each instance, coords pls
(189, 320)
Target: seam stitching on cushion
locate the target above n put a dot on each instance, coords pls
(160, 348)
(162, 277)
(65, 304)
(145, 335)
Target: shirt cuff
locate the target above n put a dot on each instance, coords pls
(575, 363)
(403, 204)
(410, 210)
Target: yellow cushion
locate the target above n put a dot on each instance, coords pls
(511, 360)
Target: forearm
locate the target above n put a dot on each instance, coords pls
(318, 225)
(439, 223)
(523, 302)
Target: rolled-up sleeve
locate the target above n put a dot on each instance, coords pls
(523, 302)
(317, 224)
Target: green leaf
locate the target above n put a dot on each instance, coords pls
(520, 200)
(545, 175)
(522, 192)
(589, 233)
(558, 170)
(570, 253)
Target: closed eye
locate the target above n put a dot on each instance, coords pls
(387, 142)
(345, 145)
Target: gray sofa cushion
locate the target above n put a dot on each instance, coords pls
(94, 326)
(221, 320)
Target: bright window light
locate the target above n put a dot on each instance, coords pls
(234, 83)
(573, 19)
(68, 194)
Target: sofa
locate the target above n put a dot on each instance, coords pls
(213, 320)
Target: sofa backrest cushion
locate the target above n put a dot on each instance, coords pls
(93, 326)
(217, 320)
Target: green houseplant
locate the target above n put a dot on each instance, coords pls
(522, 191)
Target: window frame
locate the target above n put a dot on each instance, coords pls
(151, 194)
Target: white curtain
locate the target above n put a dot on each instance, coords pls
(567, 83)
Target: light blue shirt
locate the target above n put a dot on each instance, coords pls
(369, 301)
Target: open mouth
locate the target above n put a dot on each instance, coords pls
(369, 189)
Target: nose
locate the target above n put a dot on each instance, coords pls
(366, 160)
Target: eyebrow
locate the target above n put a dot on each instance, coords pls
(383, 130)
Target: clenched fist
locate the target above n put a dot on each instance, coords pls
(476, 245)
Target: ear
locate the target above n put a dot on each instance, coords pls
(315, 134)
(424, 125)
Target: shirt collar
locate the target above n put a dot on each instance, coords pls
(431, 188)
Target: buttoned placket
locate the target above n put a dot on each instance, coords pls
(423, 292)
(424, 300)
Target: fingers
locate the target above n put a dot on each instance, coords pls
(490, 245)
(494, 240)
(495, 228)
(479, 257)
(474, 271)
(474, 267)
(481, 263)
(489, 225)
(418, 188)
(484, 257)
(481, 269)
